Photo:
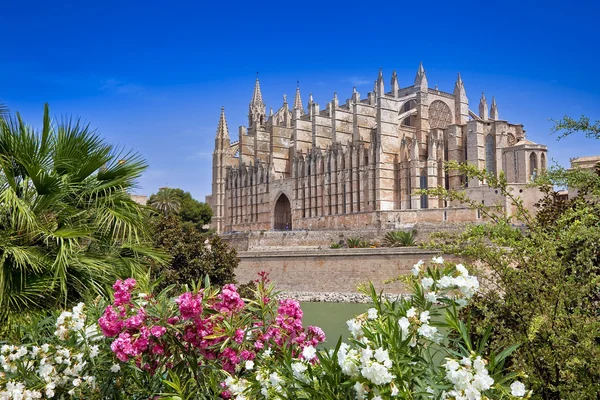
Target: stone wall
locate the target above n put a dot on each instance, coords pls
(302, 239)
(331, 270)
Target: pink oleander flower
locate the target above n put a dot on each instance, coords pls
(158, 331)
(123, 291)
(239, 336)
(247, 355)
(230, 300)
(190, 306)
(123, 347)
(110, 322)
(136, 321)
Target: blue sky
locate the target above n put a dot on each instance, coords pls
(153, 76)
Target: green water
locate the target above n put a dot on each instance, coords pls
(331, 317)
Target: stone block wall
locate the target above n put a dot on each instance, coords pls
(331, 270)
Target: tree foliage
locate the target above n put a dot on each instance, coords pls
(193, 255)
(192, 212)
(544, 280)
(68, 227)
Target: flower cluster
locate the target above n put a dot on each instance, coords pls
(468, 376)
(454, 283)
(52, 369)
(215, 326)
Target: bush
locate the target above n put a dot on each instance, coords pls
(193, 255)
(399, 239)
(335, 246)
(544, 281)
(209, 343)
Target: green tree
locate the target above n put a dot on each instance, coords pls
(68, 227)
(543, 281)
(192, 212)
(165, 201)
(194, 255)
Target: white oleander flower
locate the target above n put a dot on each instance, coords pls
(411, 312)
(424, 318)
(438, 260)
(372, 313)
(431, 297)
(427, 282)
(404, 324)
(309, 352)
(517, 389)
(462, 270)
(416, 269)
(249, 365)
(115, 368)
(427, 331)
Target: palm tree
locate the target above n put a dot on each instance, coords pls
(166, 200)
(68, 226)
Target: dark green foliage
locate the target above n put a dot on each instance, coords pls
(335, 246)
(193, 213)
(399, 239)
(194, 255)
(544, 281)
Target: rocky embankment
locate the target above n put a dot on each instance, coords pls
(329, 297)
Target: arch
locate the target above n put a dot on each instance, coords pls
(490, 154)
(440, 115)
(282, 214)
(410, 120)
(542, 162)
(533, 165)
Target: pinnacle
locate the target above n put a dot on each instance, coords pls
(257, 95)
(222, 130)
(459, 81)
(297, 99)
(493, 101)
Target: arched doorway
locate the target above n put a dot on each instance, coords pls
(282, 219)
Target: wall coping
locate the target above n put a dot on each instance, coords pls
(290, 253)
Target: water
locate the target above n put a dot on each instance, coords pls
(331, 317)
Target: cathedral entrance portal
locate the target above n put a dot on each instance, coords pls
(282, 220)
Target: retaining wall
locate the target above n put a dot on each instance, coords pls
(331, 270)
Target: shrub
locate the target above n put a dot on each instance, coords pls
(399, 239)
(544, 280)
(335, 246)
(193, 255)
(209, 343)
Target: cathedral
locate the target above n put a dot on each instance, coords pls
(356, 164)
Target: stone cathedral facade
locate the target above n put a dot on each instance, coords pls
(356, 164)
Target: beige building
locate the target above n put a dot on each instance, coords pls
(355, 164)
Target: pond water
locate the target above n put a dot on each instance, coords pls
(331, 317)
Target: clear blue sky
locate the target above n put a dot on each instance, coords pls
(153, 76)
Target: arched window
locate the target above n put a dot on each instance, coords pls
(542, 162)
(533, 168)
(490, 154)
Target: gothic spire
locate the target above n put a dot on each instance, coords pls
(494, 110)
(483, 108)
(257, 113)
(298, 99)
(257, 95)
(222, 130)
(421, 78)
